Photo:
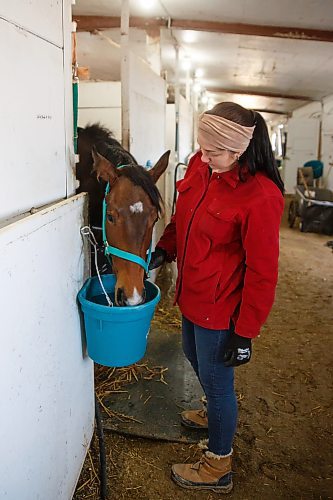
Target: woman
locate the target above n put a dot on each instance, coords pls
(225, 237)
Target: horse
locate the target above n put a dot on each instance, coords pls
(133, 204)
(102, 139)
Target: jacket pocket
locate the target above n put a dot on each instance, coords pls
(219, 224)
(220, 213)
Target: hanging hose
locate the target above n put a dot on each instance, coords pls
(102, 455)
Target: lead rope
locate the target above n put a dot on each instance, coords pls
(87, 232)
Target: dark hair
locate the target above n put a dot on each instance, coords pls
(259, 155)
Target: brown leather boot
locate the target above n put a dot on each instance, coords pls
(195, 419)
(212, 472)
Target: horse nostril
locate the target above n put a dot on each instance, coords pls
(121, 298)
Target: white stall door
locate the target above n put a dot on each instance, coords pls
(327, 141)
(46, 383)
(32, 124)
(41, 17)
(302, 146)
(100, 102)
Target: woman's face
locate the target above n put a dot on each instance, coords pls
(221, 160)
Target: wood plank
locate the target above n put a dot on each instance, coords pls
(272, 111)
(91, 23)
(221, 90)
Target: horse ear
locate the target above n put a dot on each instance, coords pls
(103, 167)
(160, 166)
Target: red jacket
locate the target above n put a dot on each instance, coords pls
(225, 236)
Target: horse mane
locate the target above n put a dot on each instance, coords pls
(104, 142)
(97, 133)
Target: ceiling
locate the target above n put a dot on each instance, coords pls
(269, 67)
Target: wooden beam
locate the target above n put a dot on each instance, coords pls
(273, 111)
(255, 30)
(91, 23)
(221, 90)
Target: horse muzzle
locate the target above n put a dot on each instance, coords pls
(134, 300)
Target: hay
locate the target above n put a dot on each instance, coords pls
(167, 318)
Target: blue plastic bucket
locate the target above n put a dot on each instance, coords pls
(116, 336)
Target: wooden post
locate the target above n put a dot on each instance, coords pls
(124, 72)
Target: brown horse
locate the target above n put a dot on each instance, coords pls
(96, 136)
(133, 206)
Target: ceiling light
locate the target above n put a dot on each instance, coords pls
(204, 98)
(199, 72)
(247, 101)
(197, 87)
(186, 63)
(148, 4)
(190, 36)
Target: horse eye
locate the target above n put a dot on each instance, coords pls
(110, 218)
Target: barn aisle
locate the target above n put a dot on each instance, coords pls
(284, 440)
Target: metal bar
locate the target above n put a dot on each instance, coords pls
(314, 201)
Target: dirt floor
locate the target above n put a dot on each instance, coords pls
(284, 444)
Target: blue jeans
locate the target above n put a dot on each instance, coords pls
(204, 349)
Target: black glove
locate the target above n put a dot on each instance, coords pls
(158, 257)
(237, 351)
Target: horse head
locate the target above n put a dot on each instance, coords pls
(133, 206)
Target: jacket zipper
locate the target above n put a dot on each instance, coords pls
(187, 236)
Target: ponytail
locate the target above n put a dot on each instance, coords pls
(259, 154)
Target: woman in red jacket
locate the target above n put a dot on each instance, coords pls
(225, 237)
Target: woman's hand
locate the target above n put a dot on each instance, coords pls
(158, 257)
(238, 350)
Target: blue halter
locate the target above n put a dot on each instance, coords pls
(110, 250)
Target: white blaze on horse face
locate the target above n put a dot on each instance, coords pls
(135, 300)
(136, 208)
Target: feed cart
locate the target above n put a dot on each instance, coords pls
(313, 206)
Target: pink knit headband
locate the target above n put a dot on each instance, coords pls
(216, 133)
